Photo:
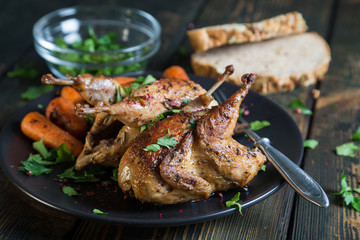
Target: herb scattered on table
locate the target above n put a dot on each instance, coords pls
(356, 135)
(70, 191)
(300, 107)
(27, 71)
(37, 164)
(34, 92)
(257, 125)
(233, 202)
(347, 149)
(347, 194)
(311, 143)
(99, 212)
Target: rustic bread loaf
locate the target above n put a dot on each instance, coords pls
(209, 37)
(280, 63)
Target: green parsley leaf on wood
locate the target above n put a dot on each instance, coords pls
(34, 92)
(257, 125)
(347, 194)
(356, 135)
(233, 202)
(347, 149)
(299, 106)
(27, 71)
(311, 143)
(70, 191)
(99, 212)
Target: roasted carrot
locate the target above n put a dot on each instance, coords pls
(72, 94)
(36, 126)
(175, 71)
(124, 81)
(61, 112)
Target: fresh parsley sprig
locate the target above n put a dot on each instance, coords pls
(166, 141)
(37, 164)
(347, 194)
(233, 202)
(257, 125)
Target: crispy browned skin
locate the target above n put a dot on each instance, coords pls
(206, 159)
(144, 105)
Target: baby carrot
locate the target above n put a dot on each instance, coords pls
(61, 112)
(72, 94)
(175, 71)
(36, 126)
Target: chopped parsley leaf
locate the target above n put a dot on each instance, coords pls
(234, 202)
(27, 71)
(263, 167)
(311, 143)
(298, 104)
(347, 194)
(70, 191)
(34, 92)
(152, 147)
(257, 125)
(88, 175)
(347, 149)
(37, 164)
(99, 212)
(356, 135)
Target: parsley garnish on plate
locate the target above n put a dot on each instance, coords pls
(263, 167)
(88, 175)
(70, 191)
(233, 202)
(37, 164)
(347, 194)
(166, 141)
(311, 143)
(347, 149)
(257, 125)
(99, 212)
(300, 107)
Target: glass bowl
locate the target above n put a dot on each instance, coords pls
(106, 40)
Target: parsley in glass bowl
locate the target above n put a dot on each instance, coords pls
(108, 40)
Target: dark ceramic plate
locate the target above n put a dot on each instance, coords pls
(15, 147)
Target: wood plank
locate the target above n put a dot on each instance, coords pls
(337, 117)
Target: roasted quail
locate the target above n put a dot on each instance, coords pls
(205, 159)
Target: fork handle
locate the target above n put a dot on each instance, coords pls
(293, 174)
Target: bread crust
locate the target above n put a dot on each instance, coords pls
(272, 84)
(205, 38)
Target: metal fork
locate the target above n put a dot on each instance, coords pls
(292, 173)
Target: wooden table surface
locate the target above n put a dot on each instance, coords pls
(284, 215)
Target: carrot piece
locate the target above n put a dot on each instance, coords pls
(72, 94)
(124, 81)
(36, 126)
(175, 71)
(61, 112)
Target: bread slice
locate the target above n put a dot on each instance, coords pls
(209, 37)
(280, 63)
